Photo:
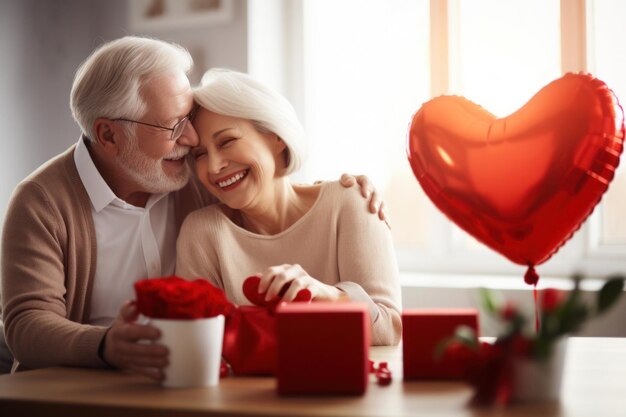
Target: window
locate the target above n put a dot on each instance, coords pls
(366, 72)
(607, 60)
(501, 53)
(367, 66)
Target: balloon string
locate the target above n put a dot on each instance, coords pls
(536, 309)
(531, 278)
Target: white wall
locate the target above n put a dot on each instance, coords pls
(462, 291)
(41, 43)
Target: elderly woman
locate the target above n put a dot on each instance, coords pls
(318, 237)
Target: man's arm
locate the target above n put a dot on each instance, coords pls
(42, 312)
(34, 294)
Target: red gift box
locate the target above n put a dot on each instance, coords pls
(250, 341)
(250, 332)
(323, 348)
(422, 331)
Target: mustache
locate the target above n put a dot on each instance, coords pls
(177, 153)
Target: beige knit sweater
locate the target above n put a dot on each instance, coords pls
(337, 242)
(49, 262)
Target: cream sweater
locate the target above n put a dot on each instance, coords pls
(337, 242)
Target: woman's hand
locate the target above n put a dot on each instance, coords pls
(296, 278)
(367, 191)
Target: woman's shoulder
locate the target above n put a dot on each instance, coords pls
(336, 193)
(348, 204)
(327, 193)
(203, 217)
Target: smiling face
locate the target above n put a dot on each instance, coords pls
(150, 159)
(236, 162)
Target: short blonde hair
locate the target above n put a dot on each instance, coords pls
(235, 94)
(108, 83)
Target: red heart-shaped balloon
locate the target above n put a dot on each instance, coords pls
(251, 291)
(522, 184)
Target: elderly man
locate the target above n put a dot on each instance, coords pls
(88, 223)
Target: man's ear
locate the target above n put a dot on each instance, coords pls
(108, 135)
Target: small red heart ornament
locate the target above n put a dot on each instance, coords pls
(251, 291)
(522, 184)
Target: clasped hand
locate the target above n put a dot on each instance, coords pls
(125, 345)
(275, 278)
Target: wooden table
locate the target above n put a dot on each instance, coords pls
(594, 385)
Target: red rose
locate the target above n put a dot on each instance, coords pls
(175, 298)
(183, 300)
(216, 301)
(550, 299)
(149, 301)
(460, 356)
(509, 311)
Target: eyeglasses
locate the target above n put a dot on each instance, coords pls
(177, 130)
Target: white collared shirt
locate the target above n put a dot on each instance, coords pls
(132, 242)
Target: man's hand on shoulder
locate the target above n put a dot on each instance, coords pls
(123, 348)
(375, 205)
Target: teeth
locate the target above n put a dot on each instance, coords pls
(231, 180)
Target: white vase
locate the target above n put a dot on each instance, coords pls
(195, 351)
(540, 381)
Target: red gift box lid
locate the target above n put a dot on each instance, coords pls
(439, 311)
(322, 307)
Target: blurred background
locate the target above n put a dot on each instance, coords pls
(356, 71)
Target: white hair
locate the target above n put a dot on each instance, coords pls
(108, 83)
(235, 94)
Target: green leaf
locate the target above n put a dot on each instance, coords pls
(462, 334)
(488, 301)
(467, 336)
(610, 292)
(574, 319)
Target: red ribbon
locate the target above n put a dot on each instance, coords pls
(382, 372)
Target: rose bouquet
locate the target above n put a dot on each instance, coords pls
(491, 367)
(176, 298)
(190, 316)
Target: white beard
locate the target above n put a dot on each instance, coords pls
(148, 173)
